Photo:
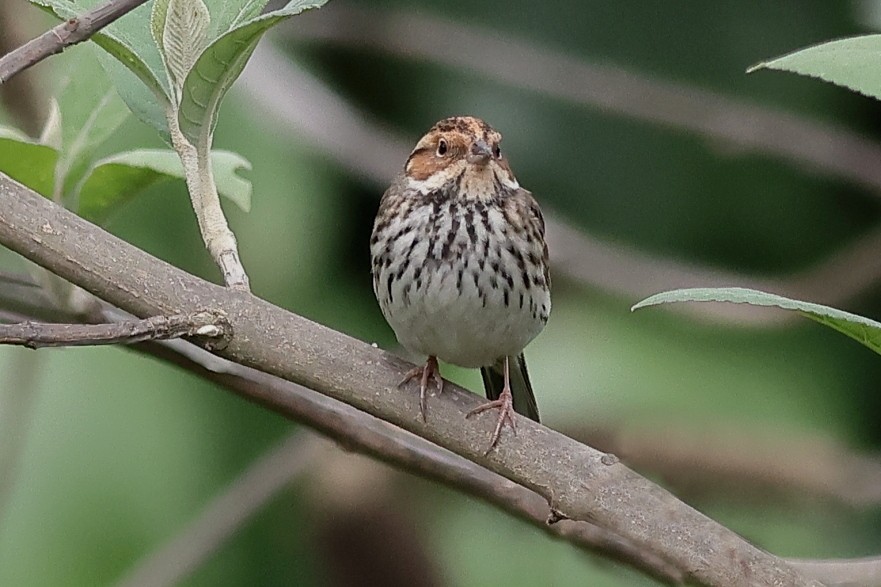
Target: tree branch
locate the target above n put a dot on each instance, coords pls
(361, 432)
(70, 32)
(40, 334)
(367, 435)
(357, 431)
(578, 481)
(22, 98)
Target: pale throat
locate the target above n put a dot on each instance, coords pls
(477, 181)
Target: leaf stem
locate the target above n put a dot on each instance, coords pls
(219, 239)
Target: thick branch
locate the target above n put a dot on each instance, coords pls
(363, 433)
(575, 479)
(70, 32)
(40, 334)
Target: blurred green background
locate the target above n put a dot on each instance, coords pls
(119, 451)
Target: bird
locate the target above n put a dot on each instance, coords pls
(460, 265)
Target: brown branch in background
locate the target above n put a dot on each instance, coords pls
(296, 99)
(809, 144)
(859, 572)
(364, 526)
(578, 481)
(70, 32)
(20, 97)
(39, 334)
(760, 464)
(224, 515)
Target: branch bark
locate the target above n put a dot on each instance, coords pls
(40, 334)
(70, 32)
(360, 432)
(578, 481)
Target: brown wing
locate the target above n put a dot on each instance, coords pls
(534, 223)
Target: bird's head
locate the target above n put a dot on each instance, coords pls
(460, 149)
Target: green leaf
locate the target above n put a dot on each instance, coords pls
(129, 42)
(863, 330)
(144, 104)
(115, 180)
(128, 39)
(227, 15)
(27, 161)
(852, 63)
(91, 111)
(219, 66)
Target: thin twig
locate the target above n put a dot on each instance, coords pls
(197, 541)
(70, 32)
(39, 334)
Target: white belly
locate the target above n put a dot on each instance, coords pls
(464, 329)
(468, 305)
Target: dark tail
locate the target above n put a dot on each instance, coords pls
(521, 388)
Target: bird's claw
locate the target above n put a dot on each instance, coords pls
(505, 405)
(427, 372)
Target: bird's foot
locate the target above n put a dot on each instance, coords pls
(505, 406)
(425, 373)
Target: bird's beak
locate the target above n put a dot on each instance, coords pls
(480, 153)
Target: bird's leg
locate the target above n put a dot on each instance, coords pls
(505, 405)
(425, 373)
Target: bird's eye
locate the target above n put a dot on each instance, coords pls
(497, 152)
(441, 148)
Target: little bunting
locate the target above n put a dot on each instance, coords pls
(460, 264)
